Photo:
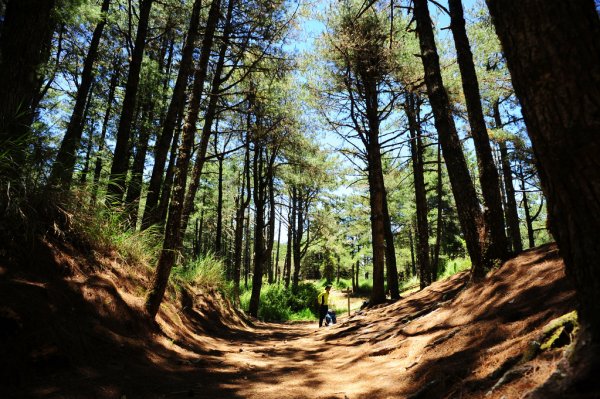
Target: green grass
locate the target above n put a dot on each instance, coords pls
(205, 271)
(453, 267)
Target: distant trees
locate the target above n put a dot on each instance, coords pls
(362, 66)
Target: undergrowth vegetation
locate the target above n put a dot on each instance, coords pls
(204, 271)
(278, 303)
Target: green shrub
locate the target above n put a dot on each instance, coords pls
(278, 303)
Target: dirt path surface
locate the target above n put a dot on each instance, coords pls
(452, 340)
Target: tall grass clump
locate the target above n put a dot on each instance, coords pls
(204, 271)
(105, 229)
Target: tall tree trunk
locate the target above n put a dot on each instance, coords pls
(242, 203)
(248, 255)
(62, 171)
(165, 195)
(439, 220)
(390, 254)
(512, 215)
(210, 114)
(259, 196)
(271, 225)
(552, 51)
(298, 234)
(88, 152)
(219, 232)
(497, 247)
(119, 168)
(411, 244)
(176, 107)
(134, 188)
(416, 147)
(469, 213)
(26, 30)
(290, 240)
(173, 235)
(277, 269)
(376, 194)
(527, 209)
(107, 114)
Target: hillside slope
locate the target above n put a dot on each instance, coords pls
(76, 331)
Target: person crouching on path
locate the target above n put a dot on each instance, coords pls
(323, 300)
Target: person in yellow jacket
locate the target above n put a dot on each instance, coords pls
(323, 300)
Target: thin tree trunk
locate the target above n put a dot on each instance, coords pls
(90, 143)
(390, 254)
(242, 203)
(173, 234)
(439, 224)
(552, 51)
(165, 194)
(497, 247)
(298, 233)
(134, 188)
(416, 147)
(278, 271)
(290, 235)
(271, 225)
(88, 152)
(469, 212)
(62, 171)
(412, 252)
(526, 208)
(219, 232)
(247, 257)
(118, 171)
(512, 215)
(101, 145)
(175, 109)
(259, 226)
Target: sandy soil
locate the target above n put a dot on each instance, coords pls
(81, 336)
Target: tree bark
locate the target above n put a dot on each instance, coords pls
(26, 30)
(497, 247)
(552, 51)
(469, 212)
(62, 171)
(176, 107)
(119, 168)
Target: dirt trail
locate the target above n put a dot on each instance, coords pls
(448, 341)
